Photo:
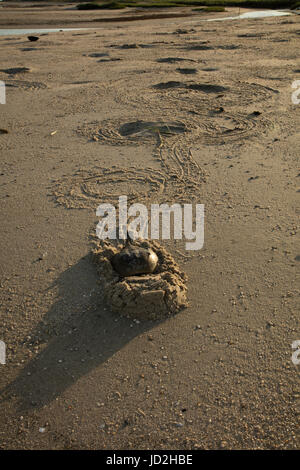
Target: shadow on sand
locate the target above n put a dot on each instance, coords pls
(84, 334)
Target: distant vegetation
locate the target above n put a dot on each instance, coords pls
(102, 6)
(212, 5)
(209, 9)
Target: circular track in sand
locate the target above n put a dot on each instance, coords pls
(186, 96)
(224, 127)
(132, 132)
(89, 188)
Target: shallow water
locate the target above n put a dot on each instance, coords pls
(6, 32)
(253, 14)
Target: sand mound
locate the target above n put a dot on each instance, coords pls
(144, 297)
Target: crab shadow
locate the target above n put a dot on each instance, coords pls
(84, 333)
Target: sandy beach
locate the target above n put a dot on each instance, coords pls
(219, 374)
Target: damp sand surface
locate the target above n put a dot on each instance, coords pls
(92, 115)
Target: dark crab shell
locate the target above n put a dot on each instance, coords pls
(132, 261)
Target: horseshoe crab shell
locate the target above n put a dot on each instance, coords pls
(134, 260)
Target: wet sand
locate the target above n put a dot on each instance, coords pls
(219, 373)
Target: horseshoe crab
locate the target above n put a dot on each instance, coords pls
(134, 260)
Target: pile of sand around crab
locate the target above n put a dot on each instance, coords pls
(144, 296)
